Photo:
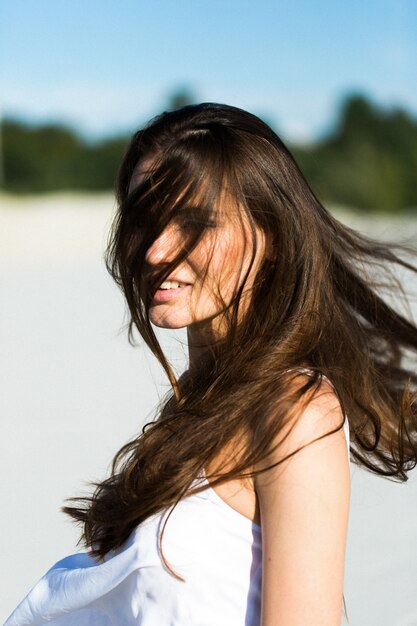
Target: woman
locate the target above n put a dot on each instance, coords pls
(231, 507)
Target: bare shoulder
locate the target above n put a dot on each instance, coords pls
(304, 508)
(310, 433)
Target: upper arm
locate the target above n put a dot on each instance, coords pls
(304, 507)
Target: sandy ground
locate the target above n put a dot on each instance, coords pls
(66, 228)
(74, 227)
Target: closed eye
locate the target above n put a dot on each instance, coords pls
(191, 224)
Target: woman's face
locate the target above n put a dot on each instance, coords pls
(218, 263)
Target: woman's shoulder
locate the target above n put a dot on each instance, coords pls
(319, 418)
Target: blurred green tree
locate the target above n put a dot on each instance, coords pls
(180, 98)
(52, 158)
(368, 161)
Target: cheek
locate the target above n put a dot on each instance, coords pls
(228, 264)
(224, 258)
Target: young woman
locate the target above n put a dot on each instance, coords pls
(231, 507)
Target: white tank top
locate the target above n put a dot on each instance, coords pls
(214, 547)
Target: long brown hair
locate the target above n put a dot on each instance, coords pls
(316, 301)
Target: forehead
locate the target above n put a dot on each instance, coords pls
(142, 170)
(223, 203)
(197, 194)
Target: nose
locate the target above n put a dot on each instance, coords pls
(163, 249)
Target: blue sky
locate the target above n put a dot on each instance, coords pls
(106, 66)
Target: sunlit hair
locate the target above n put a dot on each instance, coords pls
(316, 302)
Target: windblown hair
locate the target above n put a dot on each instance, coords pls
(316, 302)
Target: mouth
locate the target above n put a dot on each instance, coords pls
(163, 295)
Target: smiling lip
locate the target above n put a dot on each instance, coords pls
(163, 295)
(177, 280)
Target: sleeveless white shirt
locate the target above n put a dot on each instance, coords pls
(215, 548)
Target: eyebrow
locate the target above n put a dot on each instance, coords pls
(192, 209)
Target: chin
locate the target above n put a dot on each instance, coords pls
(169, 325)
(162, 322)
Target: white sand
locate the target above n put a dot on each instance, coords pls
(64, 228)
(71, 228)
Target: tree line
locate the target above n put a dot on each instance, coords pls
(368, 161)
